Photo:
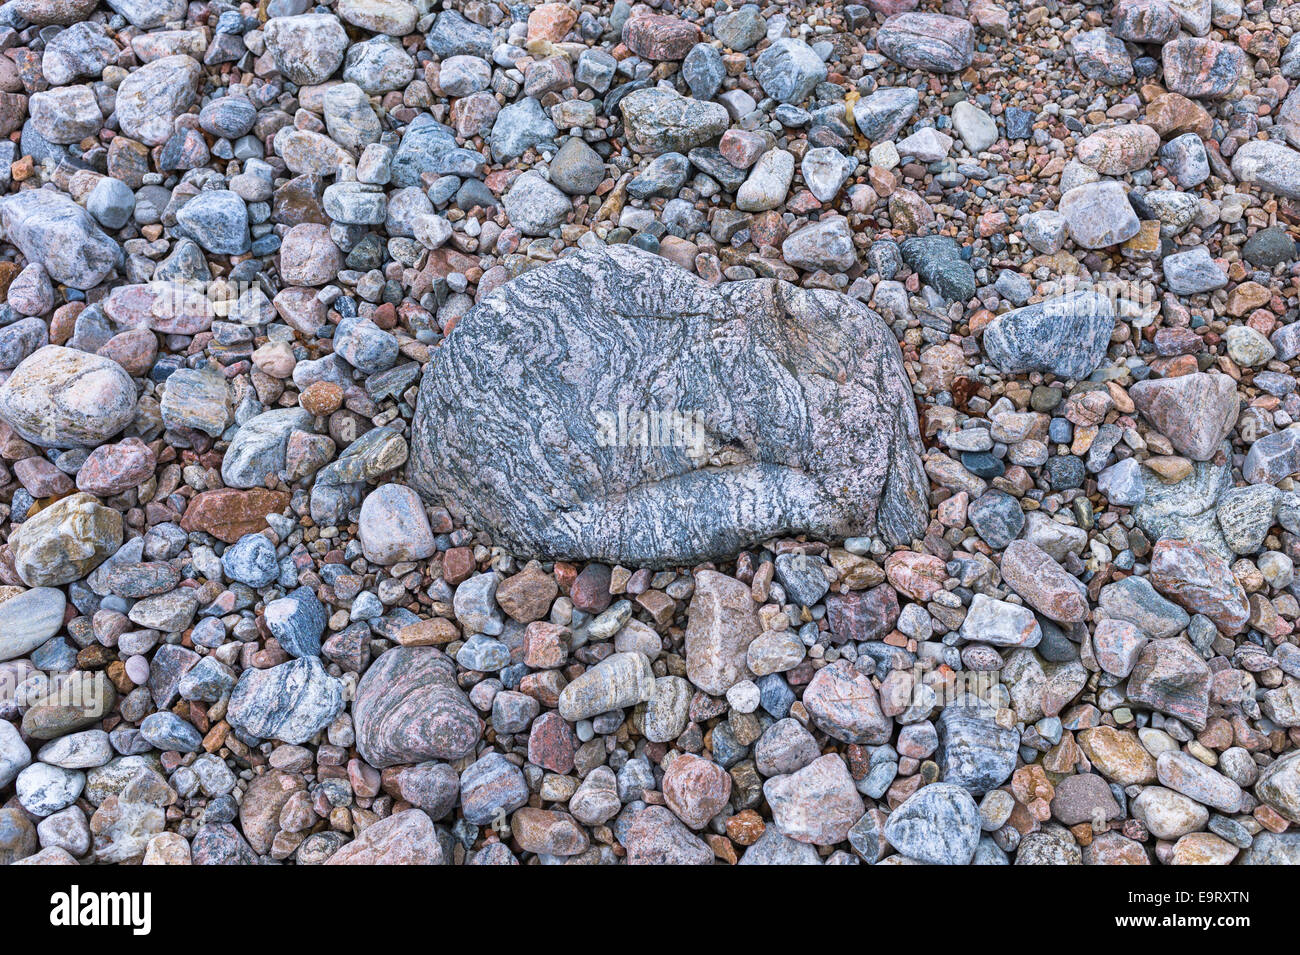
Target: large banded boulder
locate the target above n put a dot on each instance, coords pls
(612, 406)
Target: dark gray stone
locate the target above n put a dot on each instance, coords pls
(937, 260)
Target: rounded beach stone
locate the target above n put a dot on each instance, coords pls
(409, 709)
(29, 619)
(63, 398)
(394, 527)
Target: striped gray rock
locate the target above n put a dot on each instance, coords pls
(618, 681)
(773, 410)
(1066, 336)
(291, 702)
(931, 42)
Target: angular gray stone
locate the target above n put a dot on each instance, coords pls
(534, 206)
(974, 751)
(307, 49)
(883, 114)
(658, 120)
(791, 414)
(789, 70)
(1098, 214)
(1273, 457)
(216, 219)
(519, 127)
(939, 824)
(259, 447)
(1193, 271)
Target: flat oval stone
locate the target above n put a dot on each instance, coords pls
(29, 619)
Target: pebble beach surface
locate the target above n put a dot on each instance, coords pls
(507, 433)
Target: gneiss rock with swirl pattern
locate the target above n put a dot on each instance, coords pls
(611, 406)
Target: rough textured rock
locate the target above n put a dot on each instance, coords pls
(150, 99)
(928, 41)
(291, 702)
(406, 838)
(821, 440)
(1201, 581)
(722, 621)
(817, 803)
(1195, 412)
(65, 541)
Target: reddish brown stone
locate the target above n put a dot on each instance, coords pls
(548, 832)
(552, 743)
(862, 615)
(321, 397)
(551, 21)
(919, 576)
(134, 349)
(113, 468)
(228, 514)
(696, 789)
(657, 37)
(41, 478)
(546, 645)
(527, 595)
(458, 565)
(590, 590)
(428, 633)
